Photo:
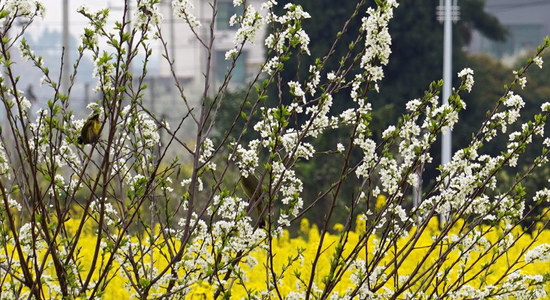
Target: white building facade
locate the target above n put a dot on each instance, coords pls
(191, 56)
(527, 21)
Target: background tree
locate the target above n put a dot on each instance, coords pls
(120, 212)
(417, 58)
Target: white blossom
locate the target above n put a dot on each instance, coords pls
(247, 159)
(104, 70)
(25, 8)
(469, 80)
(182, 9)
(538, 61)
(147, 15)
(250, 25)
(296, 90)
(231, 54)
(268, 4)
(539, 253)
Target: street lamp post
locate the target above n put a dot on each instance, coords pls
(447, 13)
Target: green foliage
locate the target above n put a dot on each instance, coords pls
(416, 59)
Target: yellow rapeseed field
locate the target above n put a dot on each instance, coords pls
(308, 239)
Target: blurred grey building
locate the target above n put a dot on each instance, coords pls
(191, 57)
(527, 21)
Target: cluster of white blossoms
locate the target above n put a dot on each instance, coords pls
(5, 169)
(182, 9)
(231, 54)
(389, 176)
(273, 132)
(296, 90)
(522, 80)
(378, 40)
(501, 120)
(28, 232)
(292, 34)
(542, 195)
(515, 103)
(131, 139)
(377, 49)
(147, 15)
(228, 237)
(23, 8)
(13, 204)
(463, 174)
(271, 66)
(518, 139)
(315, 80)
(247, 159)
(26, 52)
(111, 215)
(250, 24)
(268, 127)
(148, 134)
(469, 80)
(97, 24)
(414, 144)
(104, 71)
(290, 187)
(41, 145)
(521, 286)
(468, 172)
(416, 140)
(20, 102)
(539, 253)
(293, 144)
(56, 188)
(468, 242)
(469, 292)
(538, 61)
(364, 279)
(207, 150)
(319, 119)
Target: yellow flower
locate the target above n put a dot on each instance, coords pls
(360, 225)
(201, 290)
(338, 227)
(380, 202)
(304, 227)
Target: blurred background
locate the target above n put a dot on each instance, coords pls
(492, 37)
(503, 30)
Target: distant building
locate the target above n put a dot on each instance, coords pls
(528, 22)
(191, 56)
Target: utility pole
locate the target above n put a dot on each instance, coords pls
(66, 58)
(447, 14)
(86, 94)
(447, 70)
(171, 87)
(172, 35)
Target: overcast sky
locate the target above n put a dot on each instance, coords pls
(53, 20)
(54, 14)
